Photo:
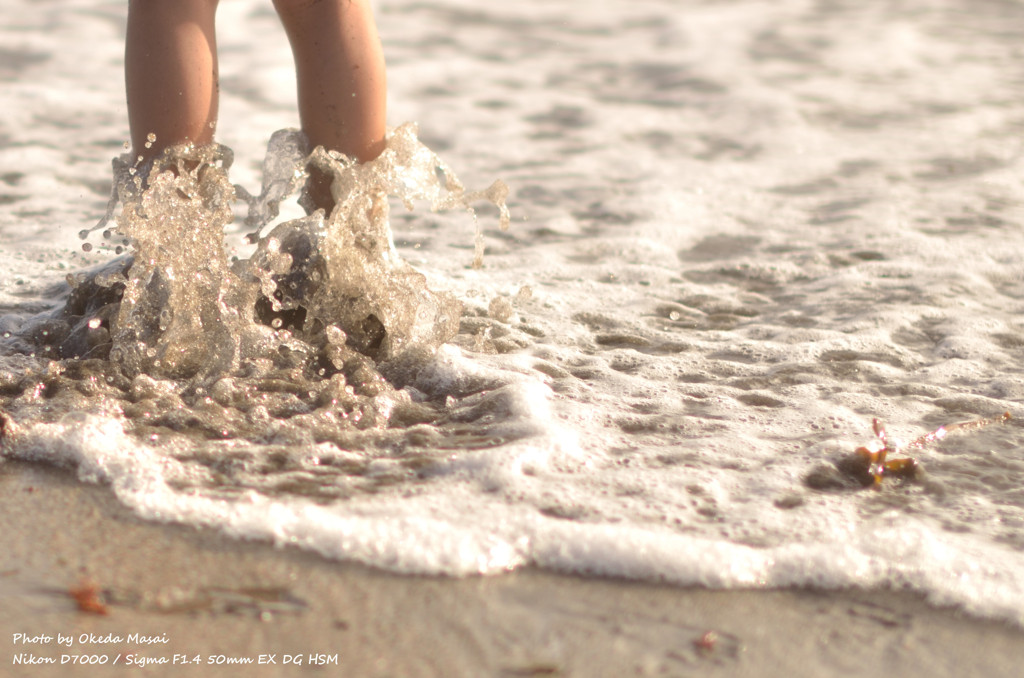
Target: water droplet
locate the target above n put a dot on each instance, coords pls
(87, 247)
(83, 234)
(276, 323)
(674, 315)
(108, 234)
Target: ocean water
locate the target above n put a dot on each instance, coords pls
(741, 231)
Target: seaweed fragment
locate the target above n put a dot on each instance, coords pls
(866, 467)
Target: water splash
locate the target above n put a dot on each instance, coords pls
(291, 343)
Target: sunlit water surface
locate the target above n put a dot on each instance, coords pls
(740, 232)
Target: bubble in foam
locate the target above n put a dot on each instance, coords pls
(500, 309)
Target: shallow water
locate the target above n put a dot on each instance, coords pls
(741, 231)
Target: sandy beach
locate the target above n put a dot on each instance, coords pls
(217, 601)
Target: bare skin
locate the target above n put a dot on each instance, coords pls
(342, 88)
(171, 75)
(339, 65)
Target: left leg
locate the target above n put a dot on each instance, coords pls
(171, 73)
(339, 65)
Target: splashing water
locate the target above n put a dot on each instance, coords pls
(185, 311)
(287, 347)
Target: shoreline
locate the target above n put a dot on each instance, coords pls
(219, 602)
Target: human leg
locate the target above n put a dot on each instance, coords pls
(339, 66)
(171, 73)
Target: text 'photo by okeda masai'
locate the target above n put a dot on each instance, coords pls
(719, 295)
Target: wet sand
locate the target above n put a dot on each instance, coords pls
(219, 600)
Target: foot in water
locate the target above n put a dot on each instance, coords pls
(81, 328)
(300, 282)
(296, 288)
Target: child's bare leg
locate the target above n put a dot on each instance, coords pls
(171, 73)
(339, 66)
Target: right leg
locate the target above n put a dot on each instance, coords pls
(171, 73)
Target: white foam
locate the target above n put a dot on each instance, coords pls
(430, 533)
